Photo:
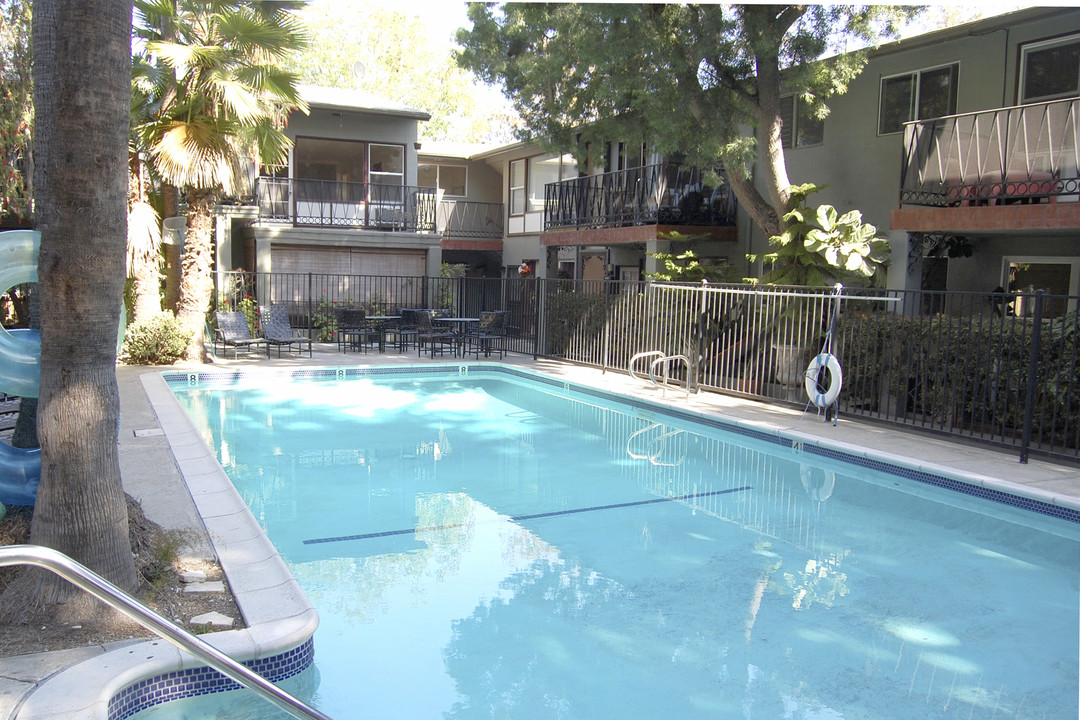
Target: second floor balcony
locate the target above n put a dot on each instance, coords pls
(1028, 154)
(661, 194)
(333, 204)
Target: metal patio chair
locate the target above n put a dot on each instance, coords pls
(231, 330)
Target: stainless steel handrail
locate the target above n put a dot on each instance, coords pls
(85, 579)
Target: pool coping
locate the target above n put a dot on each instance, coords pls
(281, 620)
(278, 615)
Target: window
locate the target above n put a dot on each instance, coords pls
(451, 179)
(917, 96)
(517, 187)
(542, 170)
(386, 164)
(528, 178)
(1057, 276)
(800, 127)
(1050, 70)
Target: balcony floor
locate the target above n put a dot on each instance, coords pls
(992, 219)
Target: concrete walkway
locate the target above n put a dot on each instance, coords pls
(152, 474)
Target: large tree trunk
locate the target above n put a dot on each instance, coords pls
(196, 283)
(82, 61)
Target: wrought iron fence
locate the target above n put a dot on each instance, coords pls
(662, 194)
(327, 203)
(998, 368)
(1023, 154)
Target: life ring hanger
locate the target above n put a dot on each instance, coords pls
(824, 399)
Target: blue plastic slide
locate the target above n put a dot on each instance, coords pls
(20, 366)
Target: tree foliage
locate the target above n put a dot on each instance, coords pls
(16, 109)
(687, 79)
(210, 95)
(820, 247)
(400, 61)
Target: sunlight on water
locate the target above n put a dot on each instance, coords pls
(479, 549)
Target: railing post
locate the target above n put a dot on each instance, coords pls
(1032, 378)
(310, 296)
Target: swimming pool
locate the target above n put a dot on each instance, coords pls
(483, 543)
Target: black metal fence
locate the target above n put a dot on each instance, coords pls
(326, 203)
(661, 194)
(997, 368)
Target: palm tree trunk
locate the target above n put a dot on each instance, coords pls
(83, 93)
(196, 283)
(170, 207)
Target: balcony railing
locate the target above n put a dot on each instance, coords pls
(326, 203)
(471, 220)
(1022, 154)
(649, 195)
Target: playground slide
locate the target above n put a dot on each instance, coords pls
(20, 366)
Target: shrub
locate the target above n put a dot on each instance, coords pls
(158, 340)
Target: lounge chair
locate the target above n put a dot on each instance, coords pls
(231, 330)
(278, 331)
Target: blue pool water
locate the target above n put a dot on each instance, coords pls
(485, 547)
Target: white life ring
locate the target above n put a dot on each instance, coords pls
(836, 380)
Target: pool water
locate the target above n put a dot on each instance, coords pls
(485, 547)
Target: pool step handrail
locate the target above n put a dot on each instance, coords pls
(655, 457)
(89, 581)
(642, 356)
(663, 362)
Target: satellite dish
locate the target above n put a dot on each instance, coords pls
(359, 71)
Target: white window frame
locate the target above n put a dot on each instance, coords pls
(1026, 49)
(1072, 262)
(913, 101)
(386, 173)
(438, 178)
(522, 188)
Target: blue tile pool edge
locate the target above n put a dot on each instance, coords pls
(192, 682)
(992, 489)
(280, 619)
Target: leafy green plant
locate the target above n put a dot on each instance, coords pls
(820, 247)
(325, 320)
(687, 267)
(158, 340)
(250, 308)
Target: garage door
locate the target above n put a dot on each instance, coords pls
(346, 261)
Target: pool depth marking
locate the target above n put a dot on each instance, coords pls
(535, 516)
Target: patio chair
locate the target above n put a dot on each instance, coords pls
(487, 337)
(278, 331)
(354, 331)
(407, 330)
(435, 339)
(231, 330)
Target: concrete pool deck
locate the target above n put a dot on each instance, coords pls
(156, 457)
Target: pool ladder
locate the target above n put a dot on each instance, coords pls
(85, 579)
(664, 363)
(657, 446)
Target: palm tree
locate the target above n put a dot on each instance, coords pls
(81, 197)
(216, 97)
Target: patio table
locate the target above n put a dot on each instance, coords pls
(461, 326)
(380, 322)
